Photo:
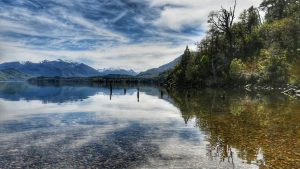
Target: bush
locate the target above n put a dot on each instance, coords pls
(273, 66)
(237, 68)
(294, 73)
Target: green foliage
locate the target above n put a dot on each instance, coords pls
(237, 68)
(247, 51)
(279, 9)
(294, 72)
(180, 72)
(246, 31)
(283, 33)
(273, 66)
(250, 19)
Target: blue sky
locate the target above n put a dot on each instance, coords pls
(137, 34)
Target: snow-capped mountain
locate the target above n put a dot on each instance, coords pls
(116, 71)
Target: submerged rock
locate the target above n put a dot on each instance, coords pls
(298, 93)
(291, 91)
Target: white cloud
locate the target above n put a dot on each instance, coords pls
(64, 25)
(180, 13)
(106, 33)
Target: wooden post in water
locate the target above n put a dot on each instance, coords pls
(110, 87)
(161, 94)
(138, 94)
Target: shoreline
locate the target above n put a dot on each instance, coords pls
(286, 89)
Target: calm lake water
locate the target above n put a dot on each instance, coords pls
(146, 127)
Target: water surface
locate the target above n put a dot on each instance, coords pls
(85, 126)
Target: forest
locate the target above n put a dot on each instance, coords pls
(258, 47)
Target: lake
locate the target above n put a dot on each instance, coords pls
(93, 126)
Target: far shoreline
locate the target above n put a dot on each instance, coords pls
(286, 89)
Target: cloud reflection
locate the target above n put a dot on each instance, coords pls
(99, 132)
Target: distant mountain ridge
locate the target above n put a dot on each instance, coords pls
(56, 68)
(116, 71)
(52, 68)
(60, 68)
(156, 71)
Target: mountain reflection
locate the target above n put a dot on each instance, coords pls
(52, 94)
(67, 93)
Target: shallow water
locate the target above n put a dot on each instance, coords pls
(146, 127)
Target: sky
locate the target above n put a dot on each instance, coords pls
(130, 34)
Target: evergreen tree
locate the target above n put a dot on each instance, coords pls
(182, 80)
(185, 58)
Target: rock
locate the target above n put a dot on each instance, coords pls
(290, 90)
(248, 85)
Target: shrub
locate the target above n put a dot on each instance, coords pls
(237, 68)
(273, 65)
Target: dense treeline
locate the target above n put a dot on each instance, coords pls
(249, 49)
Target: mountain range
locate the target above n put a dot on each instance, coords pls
(52, 68)
(12, 71)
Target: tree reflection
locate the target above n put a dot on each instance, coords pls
(263, 128)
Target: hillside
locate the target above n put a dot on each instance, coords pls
(156, 71)
(12, 75)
